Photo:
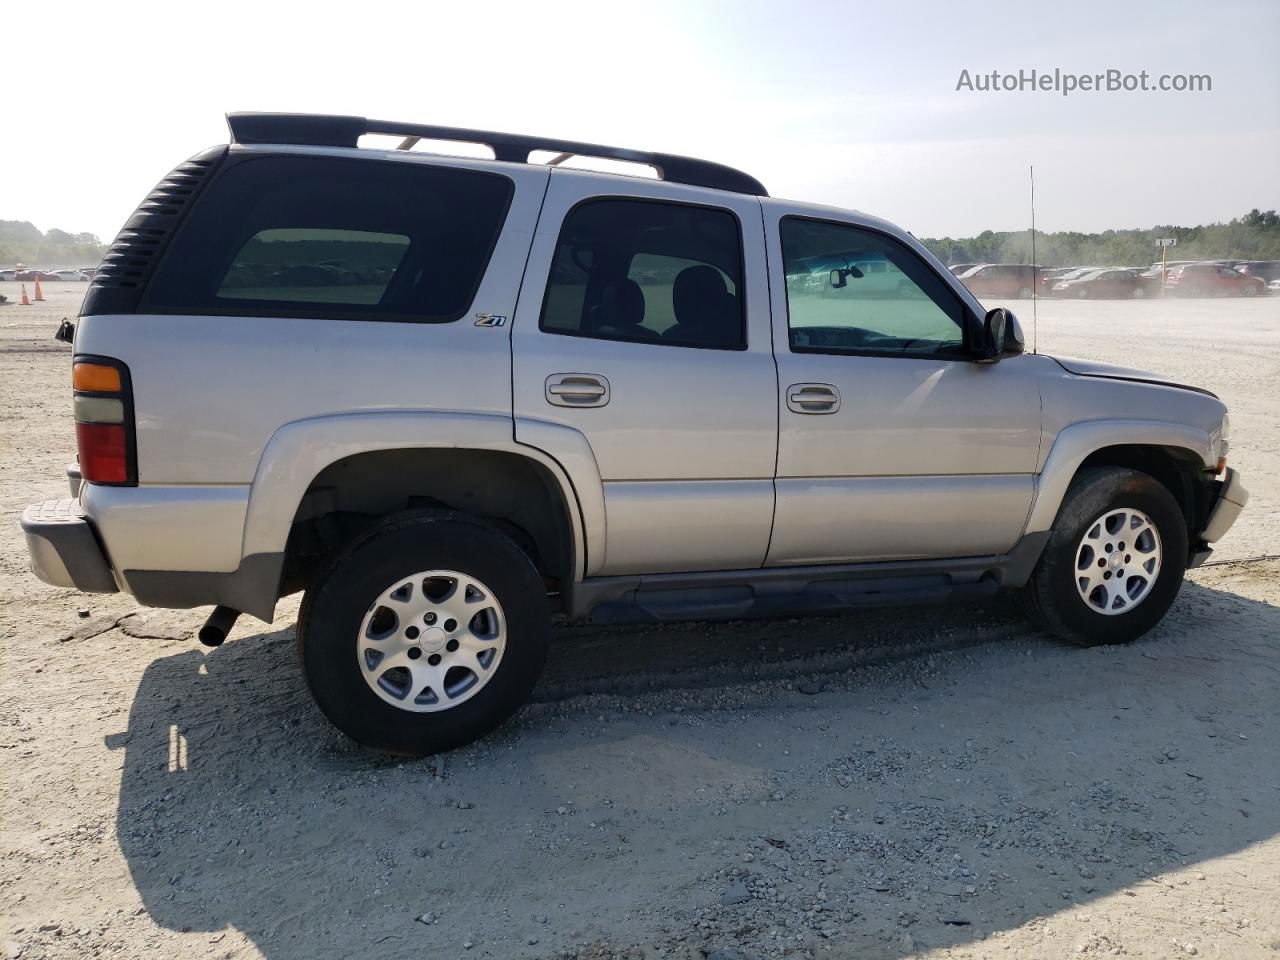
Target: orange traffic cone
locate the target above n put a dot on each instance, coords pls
(25, 301)
(39, 294)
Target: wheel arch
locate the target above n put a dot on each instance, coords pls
(1176, 455)
(1176, 469)
(375, 464)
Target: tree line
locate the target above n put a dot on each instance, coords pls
(22, 242)
(1255, 236)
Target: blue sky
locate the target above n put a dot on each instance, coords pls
(840, 103)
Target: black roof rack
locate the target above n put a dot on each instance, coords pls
(335, 131)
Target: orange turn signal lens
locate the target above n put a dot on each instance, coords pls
(95, 377)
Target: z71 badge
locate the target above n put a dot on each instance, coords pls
(490, 320)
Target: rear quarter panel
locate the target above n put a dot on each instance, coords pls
(210, 391)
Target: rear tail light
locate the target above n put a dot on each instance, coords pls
(103, 404)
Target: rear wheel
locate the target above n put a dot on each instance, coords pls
(1114, 560)
(425, 634)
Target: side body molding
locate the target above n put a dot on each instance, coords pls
(1078, 441)
(298, 451)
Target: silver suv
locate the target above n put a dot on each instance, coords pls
(451, 399)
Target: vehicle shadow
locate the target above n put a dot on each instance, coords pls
(239, 806)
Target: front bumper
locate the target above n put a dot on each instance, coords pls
(1232, 497)
(64, 549)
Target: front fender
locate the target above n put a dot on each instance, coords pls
(1075, 443)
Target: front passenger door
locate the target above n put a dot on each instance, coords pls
(893, 443)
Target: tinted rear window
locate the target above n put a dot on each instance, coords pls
(333, 238)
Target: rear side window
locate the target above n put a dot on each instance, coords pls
(334, 239)
(648, 272)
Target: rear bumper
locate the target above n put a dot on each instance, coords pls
(1232, 497)
(168, 546)
(64, 549)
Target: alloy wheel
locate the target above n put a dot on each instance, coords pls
(1118, 561)
(431, 641)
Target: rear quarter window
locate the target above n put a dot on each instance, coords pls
(333, 238)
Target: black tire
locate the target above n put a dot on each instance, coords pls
(335, 605)
(1051, 598)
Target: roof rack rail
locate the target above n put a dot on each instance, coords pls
(321, 130)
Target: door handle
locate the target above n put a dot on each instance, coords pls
(577, 390)
(813, 398)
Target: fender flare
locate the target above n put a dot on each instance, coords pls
(298, 451)
(1075, 443)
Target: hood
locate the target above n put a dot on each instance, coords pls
(1110, 371)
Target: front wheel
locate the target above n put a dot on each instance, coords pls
(1114, 560)
(424, 634)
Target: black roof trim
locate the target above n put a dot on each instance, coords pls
(321, 130)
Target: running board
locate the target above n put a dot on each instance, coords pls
(793, 591)
(648, 605)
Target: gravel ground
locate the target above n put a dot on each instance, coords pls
(938, 782)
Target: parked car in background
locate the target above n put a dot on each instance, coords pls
(1273, 287)
(28, 275)
(1108, 285)
(8, 274)
(1264, 270)
(959, 268)
(1156, 267)
(1070, 273)
(1052, 275)
(1000, 280)
(74, 276)
(1212, 280)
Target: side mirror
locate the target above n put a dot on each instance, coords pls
(1001, 336)
(1014, 342)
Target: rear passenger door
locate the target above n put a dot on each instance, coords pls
(642, 328)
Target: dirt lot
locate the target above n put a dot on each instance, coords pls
(937, 782)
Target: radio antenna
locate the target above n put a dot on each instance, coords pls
(1035, 267)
